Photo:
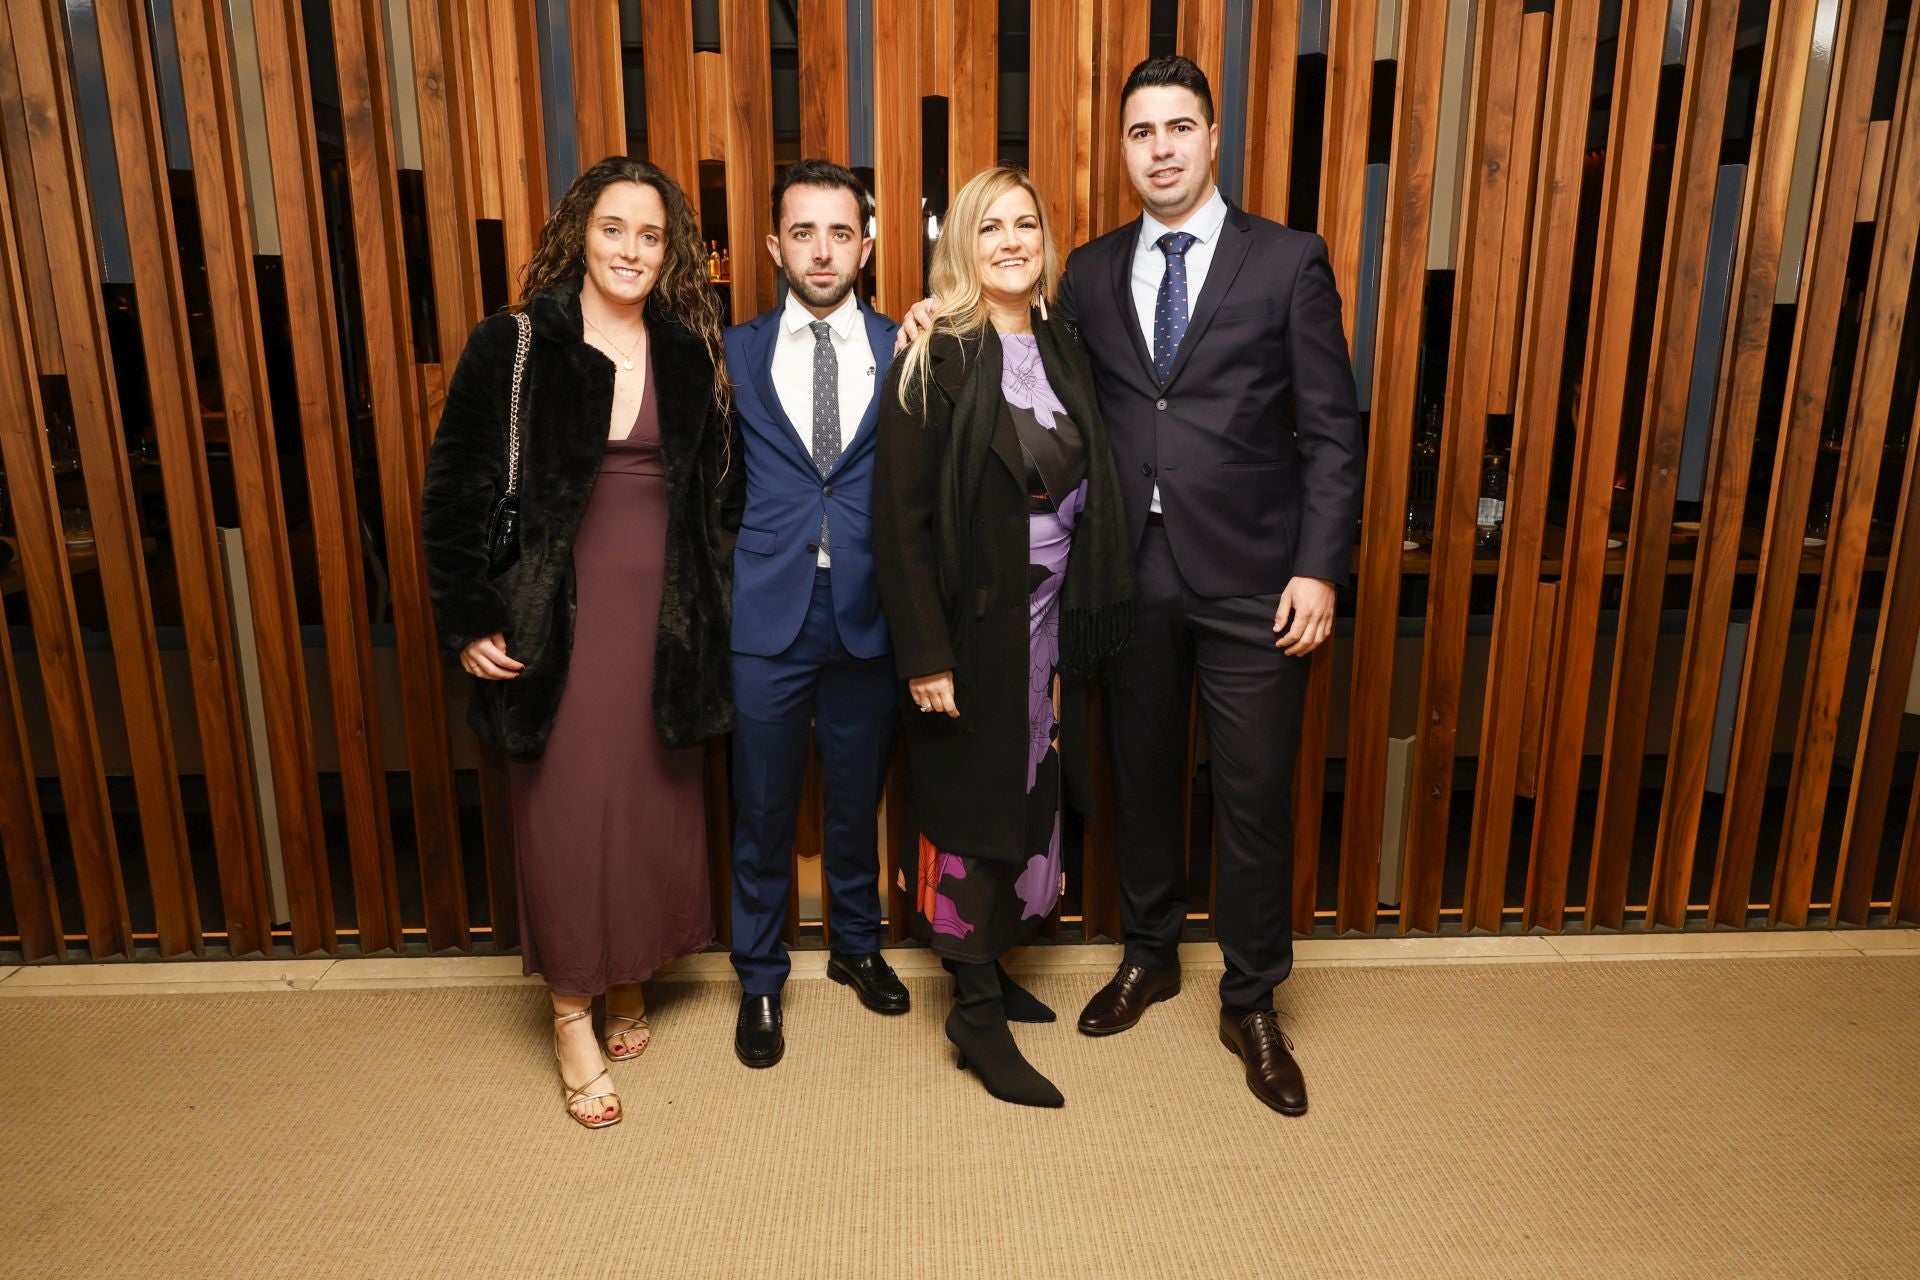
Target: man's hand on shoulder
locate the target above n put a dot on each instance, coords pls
(919, 317)
(1305, 617)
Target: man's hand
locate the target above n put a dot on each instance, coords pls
(919, 317)
(1305, 617)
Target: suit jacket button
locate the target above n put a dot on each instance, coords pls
(1161, 405)
(1146, 468)
(827, 491)
(813, 548)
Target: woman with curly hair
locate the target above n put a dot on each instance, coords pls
(595, 631)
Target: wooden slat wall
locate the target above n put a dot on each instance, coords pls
(1521, 262)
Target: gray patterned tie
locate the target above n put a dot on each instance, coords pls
(826, 406)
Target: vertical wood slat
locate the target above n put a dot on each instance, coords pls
(226, 230)
(666, 44)
(328, 453)
(1403, 290)
(133, 99)
(37, 50)
(517, 128)
(1343, 159)
(454, 254)
(1509, 295)
(1202, 38)
(1121, 40)
(598, 113)
(1059, 115)
(1526, 781)
(49, 590)
(825, 126)
(1463, 435)
(896, 156)
(1703, 112)
(1888, 296)
(1906, 883)
(1272, 64)
(16, 169)
(488, 163)
(1843, 152)
(1599, 414)
(746, 51)
(23, 837)
(1723, 512)
(1543, 357)
(397, 406)
(973, 132)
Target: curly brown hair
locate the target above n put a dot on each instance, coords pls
(682, 294)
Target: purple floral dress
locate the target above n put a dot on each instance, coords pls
(978, 908)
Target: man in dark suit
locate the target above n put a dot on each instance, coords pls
(1223, 375)
(810, 646)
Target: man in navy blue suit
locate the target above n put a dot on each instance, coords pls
(810, 646)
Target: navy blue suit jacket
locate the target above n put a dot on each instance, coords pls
(774, 559)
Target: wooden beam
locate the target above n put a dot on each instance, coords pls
(1888, 296)
(825, 131)
(1510, 291)
(517, 130)
(666, 44)
(898, 247)
(23, 838)
(1599, 412)
(133, 99)
(16, 168)
(1535, 426)
(38, 54)
(1121, 41)
(1756, 270)
(1703, 112)
(1272, 66)
(1462, 439)
(1823, 293)
(1403, 318)
(1343, 163)
(747, 51)
(1202, 37)
(973, 130)
(1060, 113)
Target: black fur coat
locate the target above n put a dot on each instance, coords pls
(566, 400)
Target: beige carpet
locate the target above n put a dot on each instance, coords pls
(1756, 1117)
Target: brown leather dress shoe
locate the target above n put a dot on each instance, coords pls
(1119, 1004)
(1272, 1073)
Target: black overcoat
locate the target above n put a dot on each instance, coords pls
(566, 401)
(966, 777)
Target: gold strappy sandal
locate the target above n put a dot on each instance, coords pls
(636, 1023)
(572, 1095)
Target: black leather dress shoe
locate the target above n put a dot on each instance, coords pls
(1272, 1074)
(1119, 1004)
(872, 979)
(757, 1037)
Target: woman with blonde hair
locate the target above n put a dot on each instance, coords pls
(1001, 556)
(571, 517)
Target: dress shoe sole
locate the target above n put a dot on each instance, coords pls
(861, 991)
(758, 1063)
(1234, 1049)
(1152, 1000)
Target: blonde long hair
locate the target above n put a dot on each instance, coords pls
(954, 276)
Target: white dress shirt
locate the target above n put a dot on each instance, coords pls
(793, 371)
(1149, 265)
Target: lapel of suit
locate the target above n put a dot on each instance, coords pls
(761, 361)
(1236, 236)
(1123, 296)
(880, 333)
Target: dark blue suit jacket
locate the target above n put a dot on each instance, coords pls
(774, 559)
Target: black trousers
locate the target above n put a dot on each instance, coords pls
(1252, 694)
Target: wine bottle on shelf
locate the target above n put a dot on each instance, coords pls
(726, 266)
(1492, 515)
(713, 260)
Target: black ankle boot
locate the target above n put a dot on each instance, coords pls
(978, 1028)
(1021, 1004)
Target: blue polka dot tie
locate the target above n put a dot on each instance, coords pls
(1170, 304)
(826, 405)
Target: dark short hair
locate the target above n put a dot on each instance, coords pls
(821, 173)
(1168, 69)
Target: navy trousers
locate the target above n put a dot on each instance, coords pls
(853, 707)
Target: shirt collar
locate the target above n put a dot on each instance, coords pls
(795, 318)
(1203, 226)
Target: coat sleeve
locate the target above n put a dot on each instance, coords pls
(907, 454)
(466, 473)
(1326, 422)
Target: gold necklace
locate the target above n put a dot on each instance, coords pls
(626, 357)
